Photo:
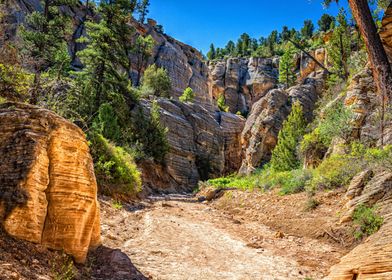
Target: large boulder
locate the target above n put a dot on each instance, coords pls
(371, 259)
(262, 127)
(48, 191)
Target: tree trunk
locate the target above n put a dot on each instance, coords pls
(378, 58)
(298, 46)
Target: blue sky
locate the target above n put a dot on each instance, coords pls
(199, 23)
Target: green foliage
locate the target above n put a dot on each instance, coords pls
(211, 55)
(286, 67)
(326, 22)
(308, 29)
(142, 9)
(15, 82)
(339, 47)
(63, 268)
(335, 123)
(367, 221)
(221, 103)
(143, 50)
(311, 204)
(284, 156)
(156, 82)
(188, 95)
(115, 169)
(117, 205)
(107, 124)
(150, 135)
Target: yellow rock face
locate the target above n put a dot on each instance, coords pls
(48, 191)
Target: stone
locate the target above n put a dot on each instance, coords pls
(49, 191)
(308, 65)
(202, 145)
(358, 183)
(266, 118)
(243, 81)
(386, 31)
(372, 258)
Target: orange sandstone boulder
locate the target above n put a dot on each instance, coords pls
(48, 191)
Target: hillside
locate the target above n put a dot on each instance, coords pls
(127, 154)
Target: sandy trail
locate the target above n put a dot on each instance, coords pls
(180, 239)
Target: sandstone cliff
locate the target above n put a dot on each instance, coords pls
(266, 118)
(202, 145)
(243, 81)
(48, 189)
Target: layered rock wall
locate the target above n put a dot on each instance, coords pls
(48, 188)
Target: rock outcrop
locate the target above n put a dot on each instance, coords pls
(243, 81)
(371, 259)
(308, 65)
(202, 145)
(266, 118)
(48, 188)
(386, 31)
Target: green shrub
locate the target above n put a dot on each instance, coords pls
(284, 156)
(311, 204)
(221, 103)
(106, 123)
(289, 182)
(149, 134)
(336, 122)
(188, 95)
(115, 169)
(312, 147)
(367, 221)
(335, 171)
(156, 82)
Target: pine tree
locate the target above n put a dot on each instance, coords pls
(339, 47)
(286, 67)
(44, 37)
(326, 22)
(156, 82)
(308, 29)
(211, 55)
(284, 156)
(230, 48)
(285, 34)
(188, 95)
(106, 59)
(142, 9)
(143, 49)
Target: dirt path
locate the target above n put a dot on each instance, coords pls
(180, 239)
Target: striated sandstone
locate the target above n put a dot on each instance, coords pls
(243, 81)
(386, 31)
(49, 192)
(262, 127)
(202, 145)
(371, 259)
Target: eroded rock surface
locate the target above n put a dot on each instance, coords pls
(243, 81)
(48, 188)
(371, 259)
(202, 145)
(386, 31)
(262, 127)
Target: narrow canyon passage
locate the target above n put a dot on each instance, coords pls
(179, 238)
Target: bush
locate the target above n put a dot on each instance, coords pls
(106, 123)
(221, 103)
(367, 221)
(115, 169)
(156, 82)
(312, 147)
(290, 182)
(284, 156)
(188, 95)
